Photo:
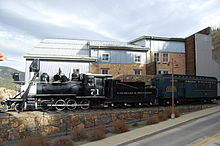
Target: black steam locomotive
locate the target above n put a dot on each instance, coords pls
(98, 90)
(81, 91)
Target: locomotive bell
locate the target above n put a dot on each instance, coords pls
(63, 78)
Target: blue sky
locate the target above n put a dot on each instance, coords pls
(24, 23)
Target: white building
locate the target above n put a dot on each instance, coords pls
(86, 56)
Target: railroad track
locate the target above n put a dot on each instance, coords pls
(104, 110)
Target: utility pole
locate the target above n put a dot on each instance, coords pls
(173, 64)
(172, 114)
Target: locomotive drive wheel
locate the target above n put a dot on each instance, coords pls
(45, 105)
(85, 104)
(60, 104)
(19, 107)
(71, 104)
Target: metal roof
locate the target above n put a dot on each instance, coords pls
(74, 48)
(158, 38)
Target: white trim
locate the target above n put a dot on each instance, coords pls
(105, 70)
(137, 70)
(167, 58)
(108, 57)
(158, 56)
(135, 58)
(162, 71)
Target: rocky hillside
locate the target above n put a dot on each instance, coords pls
(216, 44)
(6, 93)
(6, 77)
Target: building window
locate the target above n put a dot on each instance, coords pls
(137, 72)
(165, 58)
(137, 58)
(106, 57)
(156, 57)
(104, 71)
(163, 72)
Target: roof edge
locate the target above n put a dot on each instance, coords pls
(158, 38)
(85, 59)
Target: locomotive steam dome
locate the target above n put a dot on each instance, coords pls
(45, 77)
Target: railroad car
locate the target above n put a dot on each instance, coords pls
(186, 88)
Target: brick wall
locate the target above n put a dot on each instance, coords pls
(190, 55)
(117, 69)
(180, 59)
(151, 68)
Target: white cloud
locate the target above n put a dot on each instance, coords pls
(14, 45)
(26, 22)
(68, 20)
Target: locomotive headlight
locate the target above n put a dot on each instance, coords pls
(3, 103)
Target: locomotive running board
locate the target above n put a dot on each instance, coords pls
(54, 105)
(61, 95)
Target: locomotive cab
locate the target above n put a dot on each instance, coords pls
(93, 84)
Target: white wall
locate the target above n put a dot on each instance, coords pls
(167, 46)
(143, 43)
(162, 45)
(52, 67)
(205, 64)
(119, 56)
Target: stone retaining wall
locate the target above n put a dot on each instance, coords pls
(18, 127)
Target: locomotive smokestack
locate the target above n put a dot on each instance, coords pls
(34, 68)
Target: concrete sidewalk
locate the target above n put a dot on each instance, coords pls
(140, 133)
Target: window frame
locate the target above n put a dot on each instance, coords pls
(102, 58)
(137, 60)
(137, 70)
(104, 69)
(158, 57)
(162, 71)
(165, 57)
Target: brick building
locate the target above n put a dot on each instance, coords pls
(162, 50)
(201, 55)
